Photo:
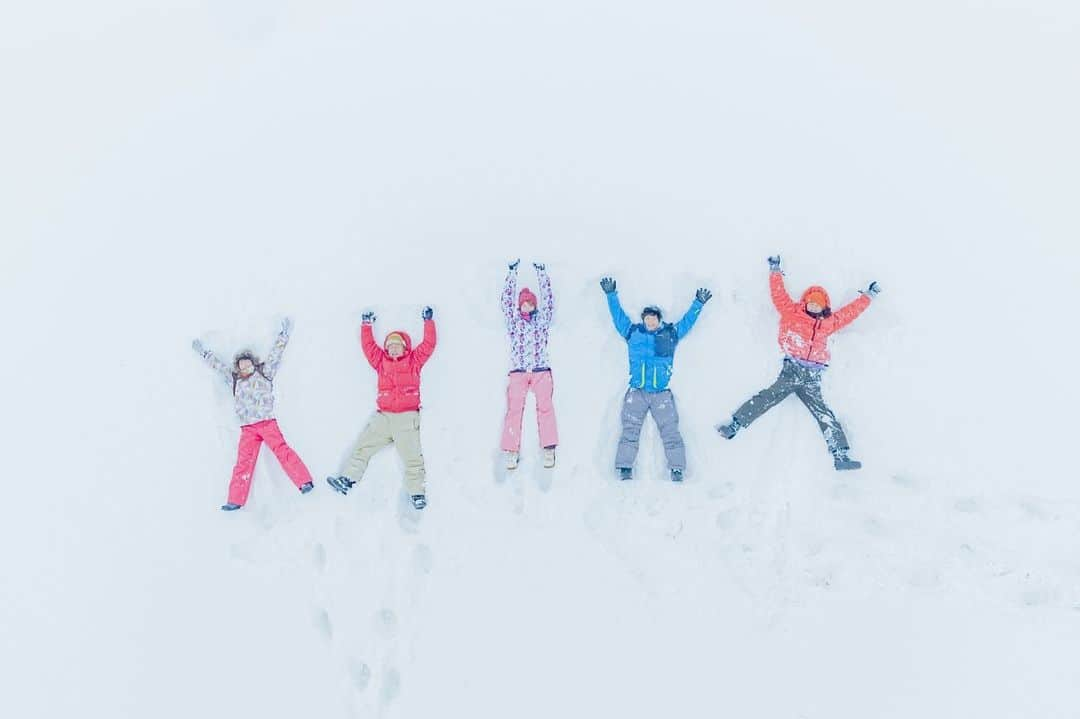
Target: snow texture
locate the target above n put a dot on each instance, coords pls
(205, 169)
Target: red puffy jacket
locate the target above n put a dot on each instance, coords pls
(803, 336)
(399, 379)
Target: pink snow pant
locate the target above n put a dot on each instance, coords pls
(543, 387)
(251, 438)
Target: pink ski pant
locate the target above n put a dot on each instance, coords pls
(251, 438)
(543, 387)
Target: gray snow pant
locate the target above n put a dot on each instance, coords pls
(636, 405)
(805, 382)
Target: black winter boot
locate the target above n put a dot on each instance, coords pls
(841, 461)
(727, 431)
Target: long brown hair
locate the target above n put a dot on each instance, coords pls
(246, 355)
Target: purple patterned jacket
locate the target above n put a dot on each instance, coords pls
(528, 334)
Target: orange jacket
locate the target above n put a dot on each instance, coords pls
(399, 379)
(803, 336)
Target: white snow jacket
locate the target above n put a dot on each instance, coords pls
(254, 395)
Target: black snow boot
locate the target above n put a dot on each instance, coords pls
(727, 431)
(626, 473)
(676, 475)
(306, 487)
(841, 460)
(342, 485)
(230, 507)
(419, 501)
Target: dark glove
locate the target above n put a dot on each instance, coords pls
(427, 313)
(607, 285)
(872, 291)
(539, 266)
(198, 347)
(703, 295)
(368, 317)
(774, 263)
(515, 263)
(286, 326)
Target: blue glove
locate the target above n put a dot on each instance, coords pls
(515, 263)
(607, 285)
(539, 266)
(774, 263)
(427, 313)
(703, 295)
(368, 317)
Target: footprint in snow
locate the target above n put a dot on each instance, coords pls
(391, 686)
(359, 674)
(726, 520)
(386, 623)
(874, 527)
(544, 478)
(967, 505)
(722, 490)
(421, 559)
(323, 625)
(905, 481)
(318, 557)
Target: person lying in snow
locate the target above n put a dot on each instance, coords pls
(528, 320)
(252, 385)
(397, 419)
(805, 329)
(651, 347)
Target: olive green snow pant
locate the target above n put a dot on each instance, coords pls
(805, 382)
(402, 429)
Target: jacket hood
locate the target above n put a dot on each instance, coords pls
(819, 292)
(404, 335)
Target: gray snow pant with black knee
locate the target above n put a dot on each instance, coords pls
(805, 382)
(636, 405)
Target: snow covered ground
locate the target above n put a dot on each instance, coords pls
(188, 169)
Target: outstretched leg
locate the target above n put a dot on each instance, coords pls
(667, 421)
(544, 387)
(766, 399)
(406, 429)
(810, 394)
(246, 455)
(292, 464)
(376, 435)
(516, 390)
(635, 407)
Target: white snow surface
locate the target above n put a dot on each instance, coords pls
(185, 169)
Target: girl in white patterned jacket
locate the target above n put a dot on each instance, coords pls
(251, 382)
(528, 321)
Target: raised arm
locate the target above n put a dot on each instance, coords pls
(849, 312)
(273, 360)
(223, 370)
(780, 297)
(547, 297)
(618, 316)
(372, 350)
(509, 294)
(683, 327)
(426, 347)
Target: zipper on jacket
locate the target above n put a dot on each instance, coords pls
(817, 323)
(642, 375)
(655, 386)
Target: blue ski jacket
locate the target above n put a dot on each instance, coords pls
(652, 354)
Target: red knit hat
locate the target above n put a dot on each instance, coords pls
(526, 295)
(817, 295)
